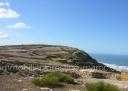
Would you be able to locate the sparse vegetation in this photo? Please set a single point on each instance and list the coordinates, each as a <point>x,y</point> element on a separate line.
<point>101,86</point>
<point>53,79</point>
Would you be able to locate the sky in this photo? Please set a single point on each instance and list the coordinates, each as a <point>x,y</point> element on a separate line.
<point>96,26</point>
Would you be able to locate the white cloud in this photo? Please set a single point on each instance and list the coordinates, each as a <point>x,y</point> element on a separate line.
<point>2,4</point>
<point>3,35</point>
<point>19,25</point>
<point>6,12</point>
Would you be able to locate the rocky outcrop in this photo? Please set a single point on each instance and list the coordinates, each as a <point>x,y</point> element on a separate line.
<point>49,54</point>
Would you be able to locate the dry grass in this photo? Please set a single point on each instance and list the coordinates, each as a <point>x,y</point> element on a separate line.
<point>124,76</point>
<point>18,83</point>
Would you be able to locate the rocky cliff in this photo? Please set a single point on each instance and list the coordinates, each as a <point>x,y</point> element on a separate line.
<point>49,54</point>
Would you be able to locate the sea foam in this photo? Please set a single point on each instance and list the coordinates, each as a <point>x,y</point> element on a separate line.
<point>117,67</point>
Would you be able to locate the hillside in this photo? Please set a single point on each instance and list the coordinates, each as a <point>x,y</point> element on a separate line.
<point>48,54</point>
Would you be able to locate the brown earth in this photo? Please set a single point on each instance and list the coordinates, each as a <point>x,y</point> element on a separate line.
<point>53,54</point>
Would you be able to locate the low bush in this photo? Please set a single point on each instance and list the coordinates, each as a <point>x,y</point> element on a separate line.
<point>100,86</point>
<point>53,79</point>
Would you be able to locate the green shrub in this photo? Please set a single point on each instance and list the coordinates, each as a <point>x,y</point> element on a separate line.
<point>1,71</point>
<point>46,81</point>
<point>53,79</point>
<point>100,86</point>
<point>63,77</point>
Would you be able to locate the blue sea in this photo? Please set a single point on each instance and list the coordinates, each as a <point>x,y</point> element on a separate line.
<point>114,61</point>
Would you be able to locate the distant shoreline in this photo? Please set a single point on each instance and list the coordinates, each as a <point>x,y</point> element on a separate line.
<point>118,62</point>
<point>117,67</point>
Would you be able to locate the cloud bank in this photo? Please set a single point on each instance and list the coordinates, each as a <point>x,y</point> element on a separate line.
<point>11,16</point>
<point>3,35</point>
<point>2,4</point>
<point>6,12</point>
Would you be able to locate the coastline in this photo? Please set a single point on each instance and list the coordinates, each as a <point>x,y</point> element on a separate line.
<point>117,67</point>
<point>115,61</point>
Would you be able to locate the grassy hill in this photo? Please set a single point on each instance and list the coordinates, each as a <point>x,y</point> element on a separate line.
<point>48,54</point>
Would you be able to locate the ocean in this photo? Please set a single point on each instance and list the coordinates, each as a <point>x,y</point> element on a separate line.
<point>119,62</point>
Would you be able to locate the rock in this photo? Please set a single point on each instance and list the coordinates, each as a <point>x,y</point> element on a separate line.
<point>45,89</point>
<point>25,89</point>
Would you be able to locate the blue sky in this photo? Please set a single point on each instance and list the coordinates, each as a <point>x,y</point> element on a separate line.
<point>97,26</point>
